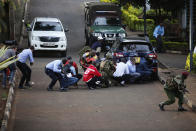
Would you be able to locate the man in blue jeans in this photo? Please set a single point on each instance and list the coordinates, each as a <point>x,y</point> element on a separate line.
<point>10,52</point>
<point>55,71</point>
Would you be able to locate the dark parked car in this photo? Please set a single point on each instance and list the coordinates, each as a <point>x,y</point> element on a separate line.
<point>138,48</point>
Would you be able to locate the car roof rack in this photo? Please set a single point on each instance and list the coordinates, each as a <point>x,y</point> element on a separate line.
<point>94,3</point>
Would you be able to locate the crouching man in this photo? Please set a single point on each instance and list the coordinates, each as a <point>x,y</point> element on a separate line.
<point>55,71</point>
<point>91,76</point>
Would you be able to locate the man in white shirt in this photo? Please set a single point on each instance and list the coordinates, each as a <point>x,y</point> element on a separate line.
<point>122,72</point>
<point>132,70</point>
<point>158,34</point>
<point>26,54</point>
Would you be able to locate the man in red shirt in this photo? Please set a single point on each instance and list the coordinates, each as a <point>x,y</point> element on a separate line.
<point>91,76</point>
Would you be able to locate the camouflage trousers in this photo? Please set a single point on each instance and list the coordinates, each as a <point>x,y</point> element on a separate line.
<point>108,79</point>
<point>171,96</point>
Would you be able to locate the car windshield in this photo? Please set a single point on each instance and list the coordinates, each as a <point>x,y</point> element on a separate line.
<point>47,26</point>
<point>134,47</point>
<point>104,20</point>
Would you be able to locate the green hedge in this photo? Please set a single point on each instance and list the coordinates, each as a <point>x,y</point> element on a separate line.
<point>134,23</point>
<point>175,46</point>
<point>187,66</point>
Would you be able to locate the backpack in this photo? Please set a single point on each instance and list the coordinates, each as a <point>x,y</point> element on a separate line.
<point>171,83</point>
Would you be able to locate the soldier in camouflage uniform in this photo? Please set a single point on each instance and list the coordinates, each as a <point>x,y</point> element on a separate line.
<point>107,68</point>
<point>175,87</point>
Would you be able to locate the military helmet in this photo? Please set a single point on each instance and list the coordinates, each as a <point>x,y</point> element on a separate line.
<point>108,56</point>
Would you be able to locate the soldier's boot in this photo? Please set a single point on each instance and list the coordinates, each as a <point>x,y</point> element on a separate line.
<point>180,108</point>
<point>161,106</point>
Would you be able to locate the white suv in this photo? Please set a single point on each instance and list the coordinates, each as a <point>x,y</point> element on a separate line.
<point>48,34</point>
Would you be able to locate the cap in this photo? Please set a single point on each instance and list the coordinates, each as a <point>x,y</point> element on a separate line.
<point>185,73</point>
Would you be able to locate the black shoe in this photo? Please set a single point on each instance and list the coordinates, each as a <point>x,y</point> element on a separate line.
<point>91,88</point>
<point>122,83</point>
<point>49,89</point>
<point>29,84</point>
<point>181,109</point>
<point>63,89</point>
<point>21,87</point>
<point>161,106</point>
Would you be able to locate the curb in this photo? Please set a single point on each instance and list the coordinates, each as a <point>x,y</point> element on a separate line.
<point>8,109</point>
<point>11,93</point>
<point>187,101</point>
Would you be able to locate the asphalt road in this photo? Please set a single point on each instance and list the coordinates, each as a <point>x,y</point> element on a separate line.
<point>133,107</point>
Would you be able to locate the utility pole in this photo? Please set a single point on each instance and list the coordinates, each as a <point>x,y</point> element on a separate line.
<point>191,34</point>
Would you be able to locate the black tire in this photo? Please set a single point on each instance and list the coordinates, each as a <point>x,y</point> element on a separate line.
<point>155,76</point>
<point>64,53</point>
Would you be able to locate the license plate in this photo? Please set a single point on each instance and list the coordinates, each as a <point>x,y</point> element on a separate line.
<point>137,59</point>
<point>110,39</point>
<point>49,44</point>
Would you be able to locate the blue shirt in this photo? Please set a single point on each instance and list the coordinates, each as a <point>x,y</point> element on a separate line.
<point>95,45</point>
<point>159,30</point>
<point>24,55</point>
<point>55,66</point>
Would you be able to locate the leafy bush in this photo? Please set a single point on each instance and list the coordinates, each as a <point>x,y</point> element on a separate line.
<point>187,66</point>
<point>110,1</point>
<point>175,46</point>
<point>4,64</point>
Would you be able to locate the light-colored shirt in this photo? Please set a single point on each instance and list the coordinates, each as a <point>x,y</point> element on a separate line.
<point>132,67</point>
<point>24,55</point>
<point>159,30</point>
<point>194,50</point>
<point>55,66</point>
<point>121,69</point>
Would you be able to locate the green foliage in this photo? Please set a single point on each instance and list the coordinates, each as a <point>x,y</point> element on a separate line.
<point>175,46</point>
<point>110,1</point>
<point>133,22</point>
<point>135,11</point>
<point>187,66</point>
<point>4,64</point>
<point>12,3</point>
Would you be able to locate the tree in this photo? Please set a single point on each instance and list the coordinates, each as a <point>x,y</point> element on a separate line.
<point>2,15</point>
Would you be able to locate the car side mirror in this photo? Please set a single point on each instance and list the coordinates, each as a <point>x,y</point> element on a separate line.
<point>66,29</point>
<point>29,28</point>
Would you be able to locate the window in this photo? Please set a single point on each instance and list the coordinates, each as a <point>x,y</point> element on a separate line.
<point>104,20</point>
<point>135,47</point>
<point>47,26</point>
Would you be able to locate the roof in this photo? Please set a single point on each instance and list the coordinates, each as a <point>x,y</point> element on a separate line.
<point>50,19</point>
<point>96,3</point>
<point>134,39</point>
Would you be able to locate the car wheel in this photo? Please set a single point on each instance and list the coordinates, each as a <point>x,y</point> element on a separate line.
<point>64,53</point>
<point>155,76</point>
